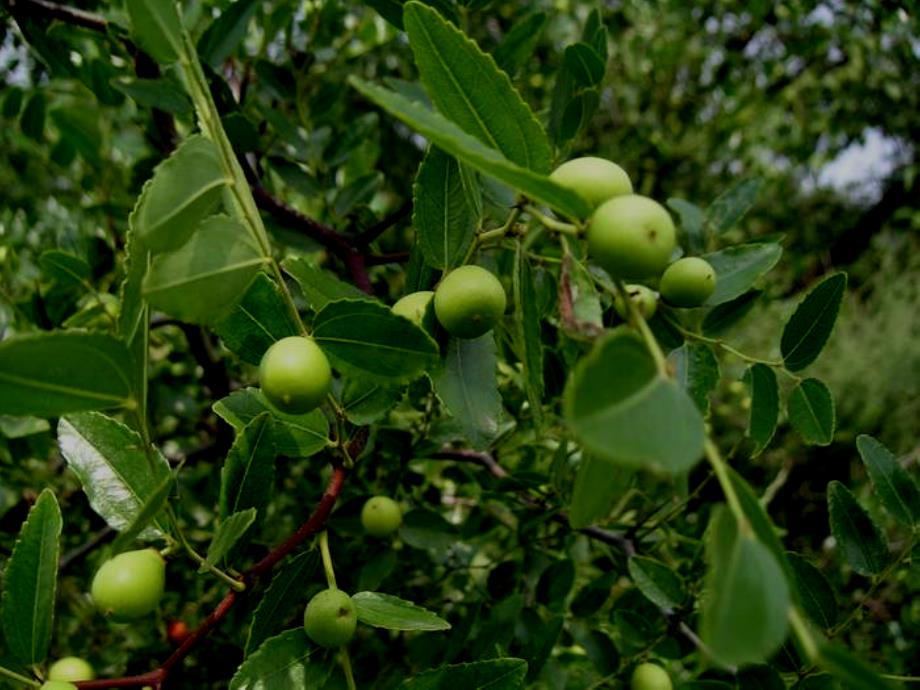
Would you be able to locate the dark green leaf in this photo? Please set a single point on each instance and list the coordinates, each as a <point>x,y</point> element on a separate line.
<point>319,287</point>
<point>738,268</point>
<point>811,412</point>
<point>860,540</point>
<point>895,487</point>
<point>594,595</point>
<point>725,212</point>
<point>585,65</point>
<point>285,591</point>
<point>814,591</point>
<point>65,268</point>
<point>496,674</point>
<point>393,613</point>
<point>528,331</point>
<point>760,677</point>
<point>284,662</point>
<point>696,370</point>
<point>722,317</point>
<point>163,94</point>
<point>79,126</point>
<point>519,43</point>
<point>658,582</point>
<point>230,531</point>
<point>149,512</point>
<point>849,670</point>
<point>30,582</point>
<point>32,121</point>
<point>226,32</point>
<point>764,392</point>
<point>597,485</point>
<point>249,471</point>
<point>424,529</point>
<point>365,402</point>
<point>555,583</point>
<point>809,327</point>
<point>392,10</point>
<point>157,28</point>
<point>691,223</point>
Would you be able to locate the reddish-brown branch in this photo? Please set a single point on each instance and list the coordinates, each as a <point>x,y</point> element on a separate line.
<point>377,229</point>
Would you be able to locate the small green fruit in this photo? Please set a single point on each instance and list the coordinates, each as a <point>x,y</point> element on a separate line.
<point>330,618</point>
<point>71,668</point>
<point>643,297</point>
<point>381,516</point>
<point>469,302</point>
<point>631,237</point>
<point>416,306</point>
<point>58,685</point>
<point>595,179</point>
<point>295,375</point>
<point>650,677</point>
<point>688,282</point>
<point>130,585</point>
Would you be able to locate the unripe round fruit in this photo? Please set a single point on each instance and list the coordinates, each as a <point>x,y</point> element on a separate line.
<point>644,298</point>
<point>688,282</point>
<point>330,618</point>
<point>58,685</point>
<point>631,237</point>
<point>650,677</point>
<point>295,375</point>
<point>130,585</point>
<point>595,179</point>
<point>381,516</point>
<point>71,668</point>
<point>469,301</point>
<point>415,307</point>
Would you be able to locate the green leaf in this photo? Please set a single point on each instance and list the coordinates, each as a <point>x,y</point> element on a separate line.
<point>319,287</point>
<point>118,477</point>
<point>495,674</point>
<point>393,613</point>
<point>811,412</point>
<point>466,85</point>
<point>30,582</point>
<point>454,141</point>
<point>364,402</point>
<point>164,94</point>
<point>597,484</point>
<point>65,268</point>
<point>520,42</point>
<point>294,436</point>
<point>285,591</point>
<point>760,677</point>
<point>284,662</point>
<point>467,384</point>
<point>696,371</point>
<point>658,582</point>
<point>861,541</point>
<point>809,327</point>
<point>248,475</point>
<point>203,280</point>
<point>21,427</point>
<point>851,671</point>
<point>134,316</point>
<point>364,338</point>
<point>622,409</point>
<point>392,10</point>
<point>261,318</point>
<point>764,392</point>
<point>691,223</point>
<point>149,512</point>
<point>896,489</point>
<point>738,268</point>
<point>425,529</point>
<point>555,583</point>
<point>528,334</point>
<point>184,189</point>
<point>814,591</point>
<point>729,208</point>
<point>444,212</point>
<point>32,120</point>
<point>724,316</point>
<point>79,126</point>
<point>585,65</point>
<point>157,28</point>
<point>50,374</point>
<point>228,534</point>
<point>225,33</point>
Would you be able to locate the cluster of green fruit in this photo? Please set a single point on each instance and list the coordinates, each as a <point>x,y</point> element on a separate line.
<point>633,237</point>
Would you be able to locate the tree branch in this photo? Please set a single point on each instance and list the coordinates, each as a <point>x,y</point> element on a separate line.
<point>377,229</point>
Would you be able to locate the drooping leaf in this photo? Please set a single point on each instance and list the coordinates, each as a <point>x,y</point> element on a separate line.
<point>284,662</point>
<point>285,591</point>
<point>496,674</point>
<point>259,319</point>
<point>64,267</point>
<point>466,148</point>
<point>30,582</point>
<point>444,209</point>
<point>622,409</point>
<point>691,224</point>
<point>117,475</point>
<point>739,268</point>
<point>809,327</point>
<point>764,392</point>
<point>729,208</point>
<point>157,28</point>
<point>228,534</point>
<point>468,386</point>
<point>555,583</point>
<point>163,94</point>
<point>811,412</point>
<point>659,583</point>
<point>895,487</point>
<point>724,316</point>
<point>50,374</point>
<point>744,583</point>
<point>696,371</point>
<point>861,541</point>
<point>814,591</point>
<point>527,331</point>
<point>319,287</point>
<point>466,86</point>
<point>365,338</point>
<point>149,512</point>
<point>595,490</point>
<point>519,43</point>
<point>249,471</point>
<point>386,611</point>
<point>204,279</point>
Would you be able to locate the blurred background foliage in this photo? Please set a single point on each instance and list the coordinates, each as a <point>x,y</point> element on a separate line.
<point>819,100</point>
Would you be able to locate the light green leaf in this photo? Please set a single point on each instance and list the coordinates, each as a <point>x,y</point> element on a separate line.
<point>814,591</point>
<point>466,85</point>
<point>895,487</point>
<point>496,674</point>
<point>811,412</point>
<point>739,268</point>
<point>157,28</point>
<point>859,538</point>
<point>621,409</point>
<point>30,582</point>
<point>286,662</point>
<point>228,534</point>
<point>809,327</point>
<point>393,613</point>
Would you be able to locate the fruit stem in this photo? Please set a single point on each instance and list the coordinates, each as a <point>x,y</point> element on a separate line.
<point>636,319</point>
<point>231,582</point>
<point>723,345</point>
<point>346,667</point>
<point>327,559</point>
<point>721,470</point>
<point>12,675</point>
<point>552,223</point>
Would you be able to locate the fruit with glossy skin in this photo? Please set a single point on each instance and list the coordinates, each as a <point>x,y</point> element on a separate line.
<point>330,618</point>
<point>71,668</point>
<point>58,685</point>
<point>650,677</point>
<point>130,585</point>
<point>416,307</point>
<point>688,282</point>
<point>644,298</point>
<point>631,237</point>
<point>381,516</point>
<point>295,375</point>
<point>595,179</point>
<point>469,301</point>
